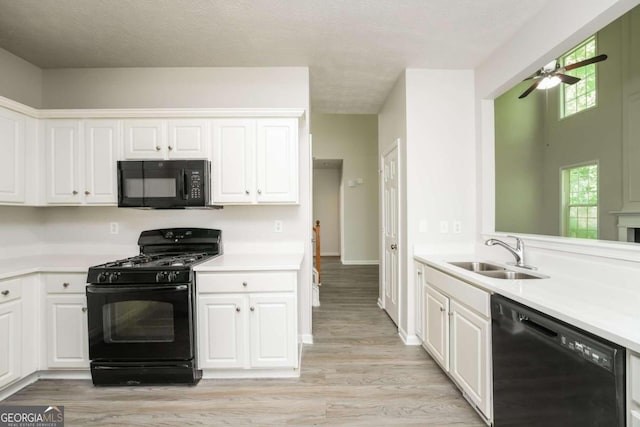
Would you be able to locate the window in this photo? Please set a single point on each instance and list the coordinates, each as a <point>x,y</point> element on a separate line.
<point>582,95</point>
<point>580,201</point>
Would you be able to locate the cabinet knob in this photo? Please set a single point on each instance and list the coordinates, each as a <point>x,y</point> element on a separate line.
<point>252,308</point>
<point>84,309</point>
<point>65,285</point>
<point>259,191</point>
<point>74,192</point>
<point>5,293</point>
<point>244,284</point>
<point>157,148</point>
<point>246,191</point>
<point>238,309</point>
<point>419,273</point>
<point>86,193</point>
<point>170,148</point>
<point>441,308</point>
<point>394,247</point>
<point>450,313</point>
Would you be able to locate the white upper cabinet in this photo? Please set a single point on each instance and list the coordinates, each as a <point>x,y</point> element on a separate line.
<point>233,171</point>
<point>188,138</point>
<point>162,139</point>
<point>101,153</point>
<point>277,160</point>
<point>145,139</point>
<point>62,156</point>
<point>255,161</point>
<point>81,161</point>
<point>12,157</point>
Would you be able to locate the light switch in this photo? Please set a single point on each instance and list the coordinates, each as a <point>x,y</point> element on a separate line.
<point>444,226</point>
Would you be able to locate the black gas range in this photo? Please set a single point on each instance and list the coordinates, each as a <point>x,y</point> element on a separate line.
<point>141,310</point>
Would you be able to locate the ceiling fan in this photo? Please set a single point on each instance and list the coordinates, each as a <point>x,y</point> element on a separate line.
<point>552,74</point>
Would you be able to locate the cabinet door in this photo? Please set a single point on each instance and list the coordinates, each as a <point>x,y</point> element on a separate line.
<point>62,153</point>
<point>12,157</point>
<point>277,161</point>
<point>145,139</point>
<point>102,140</point>
<point>10,341</point>
<point>273,331</point>
<point>470,354</point>
<point>222,331</point>
<point>436,326</point>
<point>188,139</point>
<point>419,298</point>
<point>233,161</point>
<point>67,335</point>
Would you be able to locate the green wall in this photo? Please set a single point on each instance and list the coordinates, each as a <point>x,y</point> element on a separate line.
<point>533,143</point>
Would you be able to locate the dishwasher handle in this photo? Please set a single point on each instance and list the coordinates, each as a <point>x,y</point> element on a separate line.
<point>538,327</point>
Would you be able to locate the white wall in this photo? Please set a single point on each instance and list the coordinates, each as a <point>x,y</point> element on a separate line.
<point>230,87</point>
<point>21,231</point>
<point>354,139</point>
<point>326,208</point>
<point>20,80</point>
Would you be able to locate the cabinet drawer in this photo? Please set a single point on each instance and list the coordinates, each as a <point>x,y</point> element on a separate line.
<point>246,282</point>
<point>65,283</point>
<point>10,289</point>
<point>465,293</point>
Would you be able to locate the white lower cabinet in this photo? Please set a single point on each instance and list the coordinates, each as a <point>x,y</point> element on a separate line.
<point>456,330</point>
<point>66,321</point>
<point>419,296</point>
<point>252,327</point>
<point>10,331</point>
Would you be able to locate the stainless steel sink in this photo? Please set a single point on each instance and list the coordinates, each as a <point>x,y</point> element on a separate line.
<point>478,266</point>
<point>507,274</point>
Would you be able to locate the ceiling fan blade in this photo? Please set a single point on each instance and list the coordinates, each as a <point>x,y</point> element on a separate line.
<point>567,79</point>
<point>531,89</point>
<point>585,62</point>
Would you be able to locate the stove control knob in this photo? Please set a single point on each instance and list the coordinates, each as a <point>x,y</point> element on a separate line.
<point>160,276</point>
<point>102,277</point>
<point>172,276</point>
<point>113,277</point>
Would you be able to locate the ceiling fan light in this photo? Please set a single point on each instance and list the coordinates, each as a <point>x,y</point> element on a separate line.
<point>549,82</point>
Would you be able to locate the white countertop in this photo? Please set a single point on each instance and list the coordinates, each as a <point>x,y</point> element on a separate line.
<point>609,311</point>
<point>80,263</point>
<point>247,262</point>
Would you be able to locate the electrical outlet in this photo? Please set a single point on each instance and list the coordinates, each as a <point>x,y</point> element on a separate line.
<point>114,228</point>
<point>277,226</point>
<point>444,226</point>
<point>457,227</point>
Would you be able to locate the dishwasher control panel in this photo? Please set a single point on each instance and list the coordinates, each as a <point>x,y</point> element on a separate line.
<point>588,352</point>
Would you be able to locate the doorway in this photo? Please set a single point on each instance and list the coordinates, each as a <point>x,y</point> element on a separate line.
<point>327,204</point>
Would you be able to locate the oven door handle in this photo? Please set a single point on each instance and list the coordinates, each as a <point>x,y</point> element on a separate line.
<point>93,289</point>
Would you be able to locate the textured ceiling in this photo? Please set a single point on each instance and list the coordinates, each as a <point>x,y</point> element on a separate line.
<point>355,49</point>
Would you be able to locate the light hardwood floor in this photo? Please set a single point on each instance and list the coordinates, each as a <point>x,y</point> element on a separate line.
<point>357,373</point>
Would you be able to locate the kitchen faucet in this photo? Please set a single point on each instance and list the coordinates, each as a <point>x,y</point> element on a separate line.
<point>517,252</point>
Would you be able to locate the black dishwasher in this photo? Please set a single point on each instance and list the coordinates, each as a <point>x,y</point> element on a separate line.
<point>549,373</point>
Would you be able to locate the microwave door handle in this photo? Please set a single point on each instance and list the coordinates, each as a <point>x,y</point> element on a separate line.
<point>92,289</point>
<point>183,175</point>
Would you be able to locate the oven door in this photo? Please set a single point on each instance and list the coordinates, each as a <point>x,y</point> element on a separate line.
<point>140,322</point>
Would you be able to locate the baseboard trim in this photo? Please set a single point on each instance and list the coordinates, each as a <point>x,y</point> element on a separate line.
<point>380,304</point>
<point>329,253</point>
<point>19,385</point>
<point>306,338</point>
<point>408,339</point>
<point>360,262</point>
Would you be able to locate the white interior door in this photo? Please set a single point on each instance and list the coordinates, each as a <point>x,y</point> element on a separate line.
<point>390,221</point>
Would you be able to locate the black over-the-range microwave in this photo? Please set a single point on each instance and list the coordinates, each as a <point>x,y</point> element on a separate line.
<point>164,184</point>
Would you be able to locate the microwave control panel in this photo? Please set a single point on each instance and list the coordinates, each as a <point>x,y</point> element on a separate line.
<point>194,185</point>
